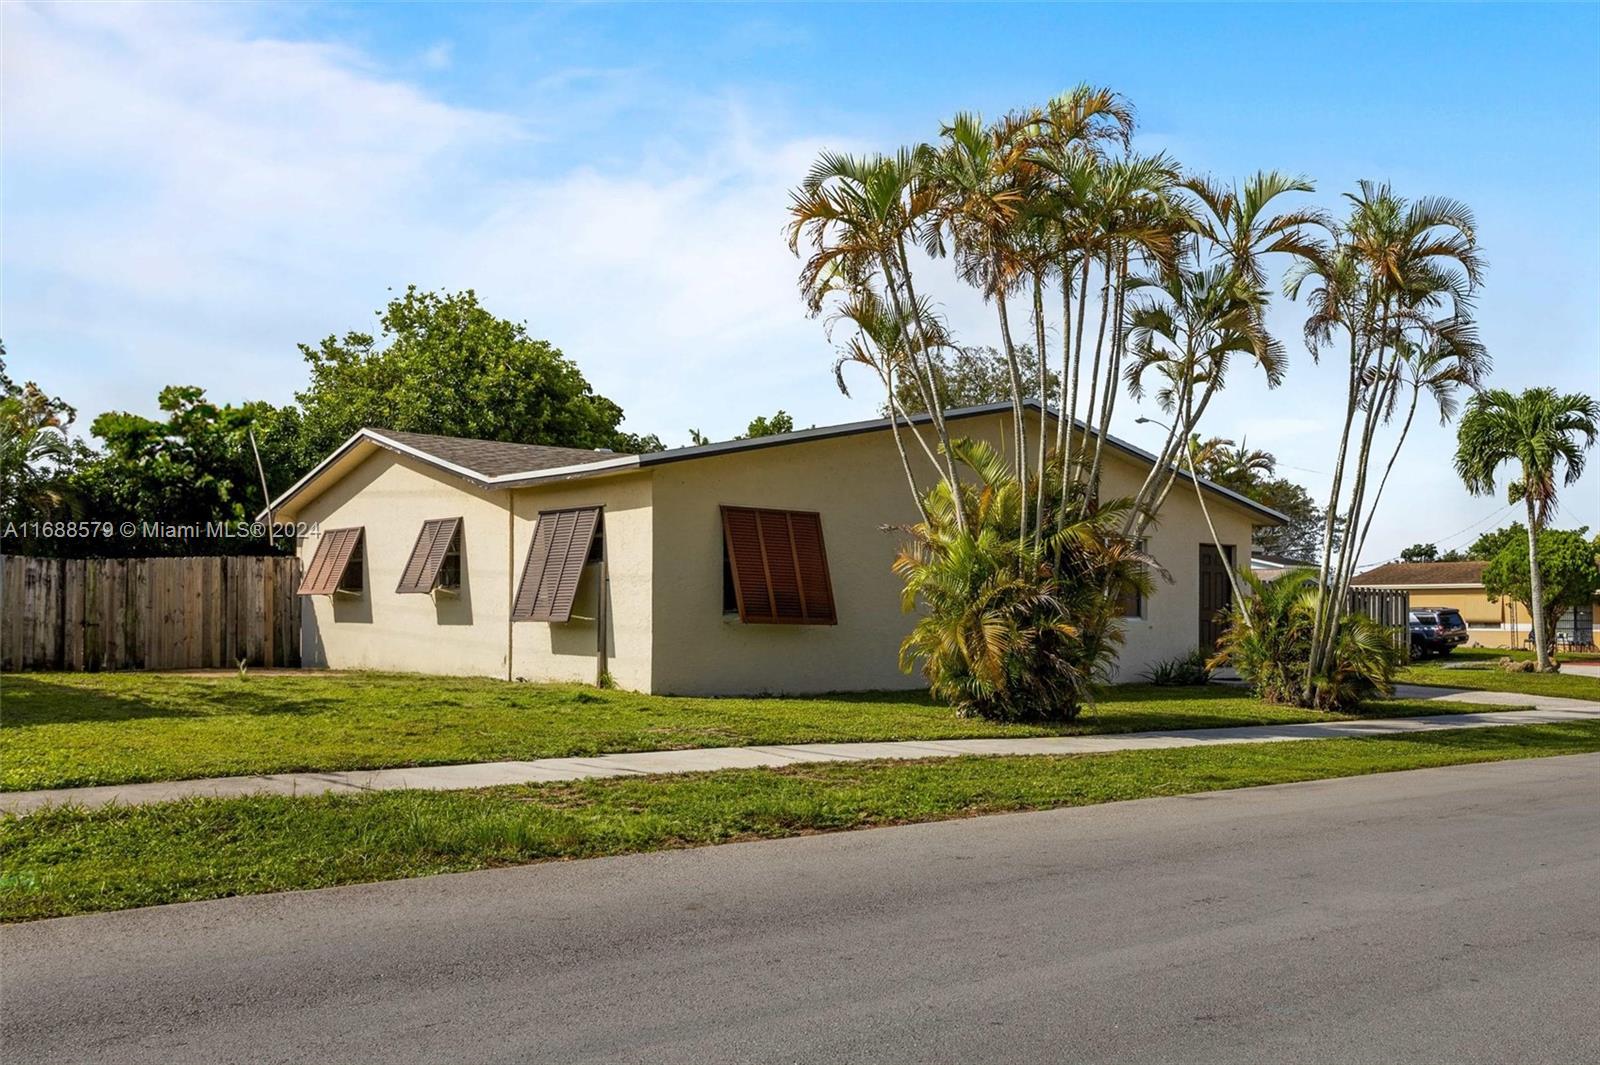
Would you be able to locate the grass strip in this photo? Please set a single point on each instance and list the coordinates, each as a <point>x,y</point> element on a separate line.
<point>1477,669</point>
<point>75,730</point>
<point>69,860</point>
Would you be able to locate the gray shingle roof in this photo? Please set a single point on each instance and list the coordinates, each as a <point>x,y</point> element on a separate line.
<point>494,458</point>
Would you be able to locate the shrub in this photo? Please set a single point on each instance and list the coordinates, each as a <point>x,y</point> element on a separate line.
<point>1269,642</point>
<point>1180,671</point>
<point>1013,630</point>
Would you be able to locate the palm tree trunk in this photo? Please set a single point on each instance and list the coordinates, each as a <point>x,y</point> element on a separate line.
<point>1352,402</point>
<point>935,410</point>
<point>1063,414</point>
<point>1071,413</point>
<point>1541,637</point>
<point>1108,401</point>
<point>1325,624</point>
<point>1039,345</point>
<point>1019,438</point>
<point>895,415</point>
<point>1094,371</point>
<point>1378,495</point>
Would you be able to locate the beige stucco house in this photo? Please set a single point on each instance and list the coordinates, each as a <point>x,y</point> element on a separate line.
<point>739,567</point>
<point>1498,621</point>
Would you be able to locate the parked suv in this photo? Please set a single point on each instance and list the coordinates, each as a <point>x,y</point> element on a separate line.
<point>1436,631</point>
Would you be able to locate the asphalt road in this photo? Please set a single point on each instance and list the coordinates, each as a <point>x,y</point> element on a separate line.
<point>1443,915</point>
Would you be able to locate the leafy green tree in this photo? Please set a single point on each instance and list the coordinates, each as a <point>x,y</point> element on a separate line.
<point>1420,553</point>
<point>1249,471</point>
<point>1545,433</point>
<point>1568,574</point>
<point>973,376</point>
<point>194,466</point>
<point>761,425</point>
<point>1300,537</point>
<point>1490,544</point>
<point>444,364</point>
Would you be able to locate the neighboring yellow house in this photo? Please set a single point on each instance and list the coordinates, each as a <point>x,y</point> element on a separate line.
<point>740,567</point>
<point>1501,622</point>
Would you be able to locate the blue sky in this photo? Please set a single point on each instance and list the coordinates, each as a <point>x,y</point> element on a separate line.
<point>189,191</point>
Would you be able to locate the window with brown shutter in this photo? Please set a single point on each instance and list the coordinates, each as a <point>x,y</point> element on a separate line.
<point>435,560</point>
<point>776,566</point>
<point>336,566</point>
<point>562,543</point>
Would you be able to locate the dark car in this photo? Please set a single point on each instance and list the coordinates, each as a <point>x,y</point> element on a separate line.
<point>1436,631</point>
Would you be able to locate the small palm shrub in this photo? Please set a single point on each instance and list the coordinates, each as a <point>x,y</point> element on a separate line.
<point>1013,629</point>
<point>1180,671</point>
<point>1269,642</point>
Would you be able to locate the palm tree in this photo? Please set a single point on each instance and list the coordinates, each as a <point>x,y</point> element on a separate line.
<point>857,214</point>
<point>1186,333</point>
<point>1395,276</point>
<point>1454,359</point>
<point>979,178</point>
<point>1540,430</point>
<point>1242,464</point>
<point>1009,630</point>
<point>881,342</point>
<point>1210,305</point>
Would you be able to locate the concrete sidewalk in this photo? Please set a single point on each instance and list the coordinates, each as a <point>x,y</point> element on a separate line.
<point>1546,710</point>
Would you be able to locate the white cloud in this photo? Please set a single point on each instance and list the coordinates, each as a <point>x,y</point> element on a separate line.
<point>232,195</point>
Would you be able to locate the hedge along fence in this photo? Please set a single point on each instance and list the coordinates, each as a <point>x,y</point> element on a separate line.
<point>148,613</point>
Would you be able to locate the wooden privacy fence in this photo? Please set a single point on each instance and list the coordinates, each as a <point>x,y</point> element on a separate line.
<point>148,613</point>
<point>1389,607</point>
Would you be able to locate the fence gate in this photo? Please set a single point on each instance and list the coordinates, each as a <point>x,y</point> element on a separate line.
<point>148,613</point>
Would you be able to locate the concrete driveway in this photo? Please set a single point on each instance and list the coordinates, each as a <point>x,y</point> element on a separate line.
<point>1440,915</point>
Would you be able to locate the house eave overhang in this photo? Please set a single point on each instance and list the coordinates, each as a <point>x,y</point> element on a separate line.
<point>375,439</point>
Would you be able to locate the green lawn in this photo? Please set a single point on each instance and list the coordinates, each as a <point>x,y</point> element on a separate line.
<point>70,730</point>
<point>1475,667</point>
<point>67,860</point>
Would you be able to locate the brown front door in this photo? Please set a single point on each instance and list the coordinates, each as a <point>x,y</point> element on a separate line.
<point>1215,595</point>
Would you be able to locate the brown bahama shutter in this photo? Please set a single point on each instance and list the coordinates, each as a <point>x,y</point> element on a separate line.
<point>561,543</point>
<point>779,566</point>
<point>332,557</point>
<point>427,556</point>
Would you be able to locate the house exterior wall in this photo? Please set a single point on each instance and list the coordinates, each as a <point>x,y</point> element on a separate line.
<point>391,496</point>
<point>1169,624</point>
<point>856,484</point>
<point>665,626</point>
<point>567,651</point>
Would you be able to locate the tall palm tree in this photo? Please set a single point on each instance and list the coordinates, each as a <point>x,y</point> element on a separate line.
<point>856,214</point>
<point>981,182</point>
<point>1215,300</point>
<point>1542,431</point>
<point>1186,332</point>
<point>1393,276</point>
